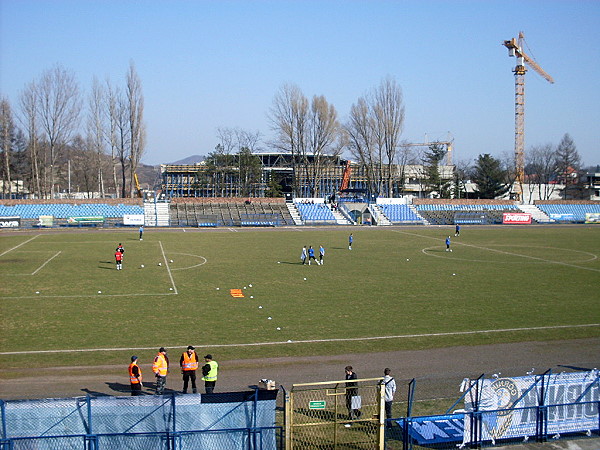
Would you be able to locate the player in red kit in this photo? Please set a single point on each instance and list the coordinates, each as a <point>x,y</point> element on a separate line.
<point>119,259</point>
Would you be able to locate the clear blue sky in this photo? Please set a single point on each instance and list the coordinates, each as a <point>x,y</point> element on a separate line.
<point>210,64</point>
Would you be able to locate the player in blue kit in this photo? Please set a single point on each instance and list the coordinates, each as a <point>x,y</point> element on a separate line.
<point>448,249</point>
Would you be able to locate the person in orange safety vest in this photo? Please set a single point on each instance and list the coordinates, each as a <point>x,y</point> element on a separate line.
<point>160,367</point>
<point>135,377</point>
<point>189,365</point>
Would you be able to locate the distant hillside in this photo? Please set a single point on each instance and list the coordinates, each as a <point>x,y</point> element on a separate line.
<point>190,160</point>
<point>149,176</point>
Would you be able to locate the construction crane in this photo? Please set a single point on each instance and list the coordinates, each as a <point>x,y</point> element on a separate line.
<point>448,144</point>
<point>137,186</point>
<point>515,48</point>
<point>346,177</point>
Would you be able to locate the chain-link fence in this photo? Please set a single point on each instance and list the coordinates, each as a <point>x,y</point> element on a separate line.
<point>336,414</point>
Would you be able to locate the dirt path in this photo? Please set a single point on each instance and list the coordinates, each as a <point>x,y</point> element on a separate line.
<point>438,371</point>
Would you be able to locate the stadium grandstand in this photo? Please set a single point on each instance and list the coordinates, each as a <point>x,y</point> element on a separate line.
<point>276,212</point>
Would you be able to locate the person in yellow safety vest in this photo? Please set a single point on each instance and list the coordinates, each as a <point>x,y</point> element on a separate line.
<point>135,377</point>
<point>210,370</point>
<point>189,365</point>
<point>160,367</point>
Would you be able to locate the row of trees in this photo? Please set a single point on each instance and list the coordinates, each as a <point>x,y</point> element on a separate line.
<point>56,134</point>
<point>372,136</point>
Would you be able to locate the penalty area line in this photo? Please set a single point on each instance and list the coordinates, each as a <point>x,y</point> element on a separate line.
<point>311,341</point>
<point>168,267</point>
<point>42,266</point>
<point>22,243</point>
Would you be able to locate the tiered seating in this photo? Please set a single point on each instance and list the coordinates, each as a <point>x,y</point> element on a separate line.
<point>399,213</point>
<point>451,213</point>
<point>209,214</point>
<point>65,210</point>
<point>569,212</point>
<point>315,213</point>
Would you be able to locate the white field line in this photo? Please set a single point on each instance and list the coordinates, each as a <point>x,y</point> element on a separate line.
<point>140,294</point>
<point>42,266</point>
<point>311,341</point>
<point>504,252</point>
<point>22,243</point>
<point>168,267</point>
<point>232,229</point>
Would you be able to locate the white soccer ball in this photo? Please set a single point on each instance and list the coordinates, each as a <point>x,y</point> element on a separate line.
<point>37,292</point>
<point>170,260</point>
<point>289,340</point>
<point>260,307</point>
<point>170,289</point>
<point>252,296</point>
<point>407,259</point>
<point>269,318</point>
<point>278,262</point>
<point>244,287</point>
<point>278,328</point>
<point>160,264</point>
<point>249,285</point>
<point>453,274</point>
<point>218,289</point>
<point>142,266</point>
<point>304,278</point>
<point>99,292</point>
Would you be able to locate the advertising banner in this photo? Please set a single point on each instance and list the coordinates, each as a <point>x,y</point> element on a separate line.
<point>133,219</point>
<point>562,217</point>
<point>508,409</point>
<point>592,218</point>
<point>85,220</point>
<point>512,404</point>
<point>10,222</point>
<point>516,218</point>
<point>45,221</point>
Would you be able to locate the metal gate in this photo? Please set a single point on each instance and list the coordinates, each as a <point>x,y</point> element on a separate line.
<point>336,415</point>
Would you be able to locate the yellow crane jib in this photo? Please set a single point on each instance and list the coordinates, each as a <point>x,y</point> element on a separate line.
<point>515,49</point>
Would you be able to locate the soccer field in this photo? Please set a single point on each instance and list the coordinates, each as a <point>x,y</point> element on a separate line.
<point>396,289</point>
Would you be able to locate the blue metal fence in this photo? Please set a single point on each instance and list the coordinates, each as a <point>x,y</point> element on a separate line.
<point>238,420</point>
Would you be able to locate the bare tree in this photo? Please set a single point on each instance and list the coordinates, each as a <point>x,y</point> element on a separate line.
<point>96,128</point>
<point>362,142</point>
<point>112,109</point>
<point>323,139</point>
<point>119,136</point>
<point>136,125</point>
<point>29,121</point>
<point>7,131</point>
<point>374,128</point>
<point>289,116</point>
<point>59,107</point>
<point>540,169</point>
<point>388,108</point>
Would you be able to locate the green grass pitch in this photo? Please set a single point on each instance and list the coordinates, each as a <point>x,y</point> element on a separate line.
<point>60,291</point>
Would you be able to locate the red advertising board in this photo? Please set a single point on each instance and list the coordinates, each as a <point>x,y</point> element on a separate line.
<point>516,218</point>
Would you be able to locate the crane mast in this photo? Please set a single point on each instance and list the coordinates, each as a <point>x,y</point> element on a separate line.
<point>515,48</point>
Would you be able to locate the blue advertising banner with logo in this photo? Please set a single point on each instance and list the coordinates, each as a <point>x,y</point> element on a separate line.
<point>508,407</point>
<point>562,217</point>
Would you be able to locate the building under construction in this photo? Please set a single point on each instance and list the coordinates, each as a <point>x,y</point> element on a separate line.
<point>313,176</point>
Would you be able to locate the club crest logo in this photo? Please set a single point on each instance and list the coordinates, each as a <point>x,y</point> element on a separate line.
<point>506,393</point>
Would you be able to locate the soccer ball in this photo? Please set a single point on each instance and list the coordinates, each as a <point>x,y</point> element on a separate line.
<point>142,266</point>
